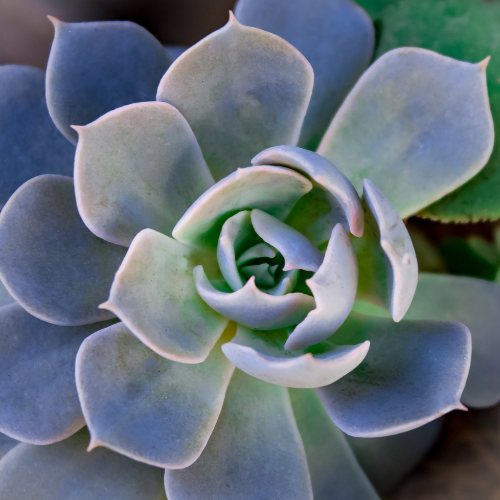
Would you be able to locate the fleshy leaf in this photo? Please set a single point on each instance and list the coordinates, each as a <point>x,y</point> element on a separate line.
<point>335,473</point>
<point>417,124</point>
<point>465,30</point>
<point>37,366</point>
<point>64,471</point>
<point>388,460</point>
<point>286,283</point>
<point>30,144</point>
<point>261,273</point>
<point>235,233</point>
<point>129,178</point>
<point>154,295</point>
<point>325,174</point>
<point>334,288</point>
<point>248,90</point>
<point>262,355</point>
<point>49,261</point>
<point>96,67</point>
<point>147,407</point>
<point>414,372</point>
<point>336,37</point>
<point>388,267</point>
<point>253,308</point>
<point>474,303</point>
<point>297,250</point>
<point>272,189</point>
<point>256,252</point>
<point>255,450</point>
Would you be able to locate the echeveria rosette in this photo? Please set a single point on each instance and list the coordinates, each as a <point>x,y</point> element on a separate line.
<point>183,162</point>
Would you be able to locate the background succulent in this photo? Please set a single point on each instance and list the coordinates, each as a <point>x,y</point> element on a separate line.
<point>139,167</point>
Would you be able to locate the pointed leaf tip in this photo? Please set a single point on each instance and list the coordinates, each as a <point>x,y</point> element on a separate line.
<point>483,64</point>
<point>56,22</point>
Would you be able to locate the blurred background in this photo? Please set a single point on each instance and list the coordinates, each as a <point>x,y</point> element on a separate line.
<point>26,33</point>
<point>465,463</point>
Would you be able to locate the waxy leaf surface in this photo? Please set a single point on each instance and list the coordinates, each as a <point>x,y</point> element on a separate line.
<point>154,294</point>
<point>255,450</point>
<point>241,90</point>
<point>96,67</point>
<point>146,407</point>
<point>49,261</point>
<point>137,167</point>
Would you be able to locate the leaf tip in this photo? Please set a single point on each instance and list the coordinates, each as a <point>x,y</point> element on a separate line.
<point>106,305</point>
<point>94,443</point>
<point>483,64</point>
<point>56,22</point>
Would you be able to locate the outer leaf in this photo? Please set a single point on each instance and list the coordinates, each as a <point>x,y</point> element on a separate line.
<point>334,288</point>
<point>49,261</point>
<point>327,176</point>
<point>474,303</point>
<point>37,365</point>
<point>388,460</point>
<point>137,167</point>
<point>263,355</point>
<point>414,372</point>
<point>247,90</point>
<point>255,450</point>
<point>253,308</point>
<point>388,267</point>
<point>147,407</point>
<point>336,37</point>
<point>154,295</point>
<point>335,473</point>
<point>65,471</point>
<point>465,30</point>
<point>417,124</point>
<point>96,67</point>
<point>275,190</point>
<point>30,145</point>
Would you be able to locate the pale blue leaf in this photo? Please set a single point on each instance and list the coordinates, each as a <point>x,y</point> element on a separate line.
<point>336,37</point>
<point>335,473</point>
<point>275,190</point>
<point>49,261</point>
<point>263,355</point>
<point>255,451</point>
<point>241,90</point>
<point>129,178</point>
<point>30,144</point>
<point>146,407</point>
<point>154,294</point>
<point>66,471</point>
<point>417,124</point>
<point>474,303</point>
<point>99,66</point>
<point>414,372</point>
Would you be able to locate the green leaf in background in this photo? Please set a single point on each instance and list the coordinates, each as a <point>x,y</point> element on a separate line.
<point>467,30</point>
<point>375,7</point>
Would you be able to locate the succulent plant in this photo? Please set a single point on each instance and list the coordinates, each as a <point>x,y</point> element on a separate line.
<point>261,350</point>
